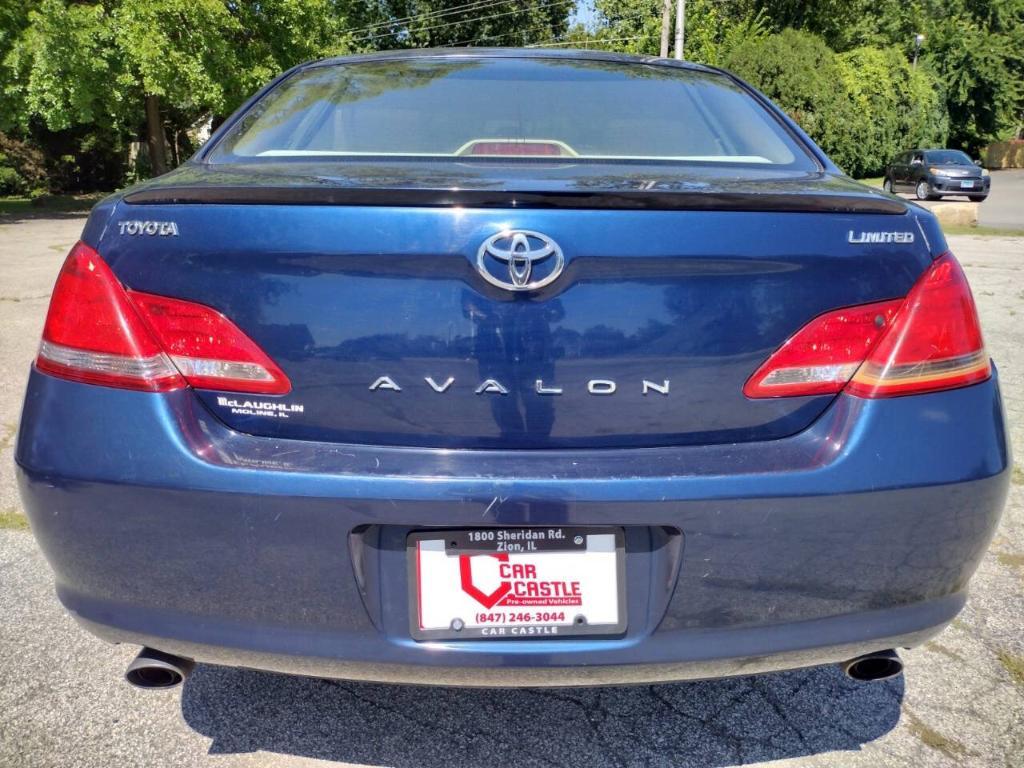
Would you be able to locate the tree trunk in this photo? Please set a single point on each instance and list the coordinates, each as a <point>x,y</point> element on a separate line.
<point>666,24</point>
<point>155,135</point>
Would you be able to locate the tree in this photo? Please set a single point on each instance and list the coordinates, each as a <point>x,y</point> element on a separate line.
<point>976,47</point>
<point>713,27</point>
<point>120,63</point>
<point>896,107</point>
<point>434,23</point>
<point>800,73</point>
<point>112,66</point>
<point>978,51</point>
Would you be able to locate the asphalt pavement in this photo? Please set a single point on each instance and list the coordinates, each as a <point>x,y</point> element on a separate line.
<point>1004,208</point>
<point>63,701</point>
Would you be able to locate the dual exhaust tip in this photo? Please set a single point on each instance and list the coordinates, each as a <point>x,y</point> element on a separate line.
<point>154,669</point>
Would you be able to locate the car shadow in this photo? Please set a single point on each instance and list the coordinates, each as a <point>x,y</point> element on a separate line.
<point>714,723</point>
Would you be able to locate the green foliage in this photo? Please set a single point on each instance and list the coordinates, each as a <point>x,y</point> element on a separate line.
<point>176,49</point>
<point>799,72</point>
<point>863,106</point>
<point>78,74</point>
<point>75,74</point>
<point>967,90</point>
<point>61,73</point>
<point>11,182</point>
<point>26,162</point>
<point>713,27</point>
<point>895,107</point>
<point>975,47</point>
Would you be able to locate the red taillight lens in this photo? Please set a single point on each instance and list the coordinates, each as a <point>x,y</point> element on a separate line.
<point>209,350</point>
<point>935,342</point>
<point>94,334</point>
<point>516,148</point>
<point>822,356</point>
<point>99,333</point>
<point>928,341</point>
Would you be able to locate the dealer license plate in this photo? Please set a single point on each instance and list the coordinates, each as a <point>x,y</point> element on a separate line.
<point>514,583</point>
<point>966,185</point>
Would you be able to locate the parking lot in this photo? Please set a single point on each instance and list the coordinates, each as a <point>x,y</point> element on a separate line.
<point>63,701</point>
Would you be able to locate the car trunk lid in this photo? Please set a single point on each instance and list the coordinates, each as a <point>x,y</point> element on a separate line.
<point>381,318</point>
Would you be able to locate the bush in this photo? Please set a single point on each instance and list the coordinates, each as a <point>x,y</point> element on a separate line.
<point>21,166</point>
<point>862,107</point>
<point>11,182</point>
<point>800,74</point>
<point>897,107</point>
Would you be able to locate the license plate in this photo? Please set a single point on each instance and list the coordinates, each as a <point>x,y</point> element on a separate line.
<point>515,583</point>
<point>966,185</point>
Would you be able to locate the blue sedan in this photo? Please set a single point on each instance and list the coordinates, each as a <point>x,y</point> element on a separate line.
<point>501,367</point>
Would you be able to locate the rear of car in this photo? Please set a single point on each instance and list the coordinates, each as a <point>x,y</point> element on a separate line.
<point>512,368</point>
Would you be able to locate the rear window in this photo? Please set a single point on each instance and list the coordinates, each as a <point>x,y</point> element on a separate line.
<point>513,109</point>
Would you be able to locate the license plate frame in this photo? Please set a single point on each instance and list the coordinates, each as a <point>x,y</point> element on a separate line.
<point>467,542</point>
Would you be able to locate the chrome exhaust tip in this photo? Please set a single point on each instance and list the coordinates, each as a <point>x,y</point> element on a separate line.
<point>870,667</point>
<point>156,669</point>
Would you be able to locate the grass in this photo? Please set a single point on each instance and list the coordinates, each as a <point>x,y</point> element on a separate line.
<point>10,520</point>
<point>947,745</point>
<point>959,229</point>
<point>874,181</point>
<point>1011,559</point>
<point>20,206</point>
<point>1014,665</point>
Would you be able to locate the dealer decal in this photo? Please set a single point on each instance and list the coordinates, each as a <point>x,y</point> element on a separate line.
<point>268,408</point>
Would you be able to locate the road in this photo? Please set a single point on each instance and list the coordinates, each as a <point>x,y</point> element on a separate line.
<point>1004,208</point>
<point>63,701</point>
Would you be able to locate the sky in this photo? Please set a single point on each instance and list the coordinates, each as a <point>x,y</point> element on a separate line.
<point>583,13</point>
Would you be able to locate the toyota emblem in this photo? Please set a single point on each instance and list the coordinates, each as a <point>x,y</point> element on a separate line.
<point>520,260</point>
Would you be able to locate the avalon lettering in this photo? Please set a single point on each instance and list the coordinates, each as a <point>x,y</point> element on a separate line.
<point>601,387</point>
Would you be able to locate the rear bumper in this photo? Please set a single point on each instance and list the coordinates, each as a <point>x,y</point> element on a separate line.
<point>165,528</point>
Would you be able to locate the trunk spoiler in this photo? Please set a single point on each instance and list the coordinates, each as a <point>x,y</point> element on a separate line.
<point>633,199</point>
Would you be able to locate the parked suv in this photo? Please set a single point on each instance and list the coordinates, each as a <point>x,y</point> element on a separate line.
<point>932,173</point>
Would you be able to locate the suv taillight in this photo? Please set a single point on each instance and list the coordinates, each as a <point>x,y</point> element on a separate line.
<point>930,340</point>
<point>99,333</point>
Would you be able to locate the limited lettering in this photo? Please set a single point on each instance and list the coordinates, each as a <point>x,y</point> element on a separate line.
<point>880,237</point>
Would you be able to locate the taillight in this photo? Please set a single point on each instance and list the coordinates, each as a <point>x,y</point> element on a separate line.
<point>210,351</point>
<point>935,342</point>
<point>822,356</point>
<point>930,340</point>
<point>94,334</point>
<point>99,333</point>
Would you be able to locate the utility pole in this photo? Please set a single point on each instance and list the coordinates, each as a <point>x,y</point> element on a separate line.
<point>918,39</point>
<point>666,27</point>
<point>680,27</point>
